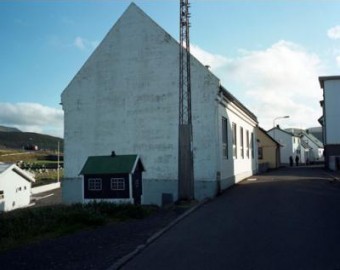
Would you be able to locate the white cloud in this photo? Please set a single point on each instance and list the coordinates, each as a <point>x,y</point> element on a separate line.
<point>79,42</point>
<point>84,44</point>
<point>280,80</point>
<point>334,32</point>
<point>338,60</point>
<point>32,117</point>
<point>215,61</point>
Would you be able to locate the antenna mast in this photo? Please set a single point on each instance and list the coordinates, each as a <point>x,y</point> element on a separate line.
<point>185,144</point>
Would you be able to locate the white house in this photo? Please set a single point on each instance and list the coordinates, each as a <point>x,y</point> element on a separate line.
<point>290,145</point>
<point>314,148</point>
<point>330,120</point>
<point>15,187</point>
<point>125,98</point>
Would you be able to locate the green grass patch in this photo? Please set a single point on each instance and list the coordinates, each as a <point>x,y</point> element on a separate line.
<point>27,225</point>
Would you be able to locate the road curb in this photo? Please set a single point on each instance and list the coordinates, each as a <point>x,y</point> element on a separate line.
<point>334,178</point>
<point>122,261</point>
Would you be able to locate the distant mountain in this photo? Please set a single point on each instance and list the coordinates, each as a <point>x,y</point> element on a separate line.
<point>8,129</point>
<point>21,140</point>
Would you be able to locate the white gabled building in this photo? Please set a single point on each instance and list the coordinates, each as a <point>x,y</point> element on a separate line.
<point>290,145</point>
<point>15,187</point>
<point>125,98</point>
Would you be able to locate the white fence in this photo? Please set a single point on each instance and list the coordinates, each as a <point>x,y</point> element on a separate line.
<point>44,188</point>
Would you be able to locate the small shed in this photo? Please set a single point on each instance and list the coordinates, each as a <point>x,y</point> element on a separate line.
<point>15,187</point>
<point>115,178</point>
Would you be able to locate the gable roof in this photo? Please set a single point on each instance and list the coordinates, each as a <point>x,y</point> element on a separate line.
<point>7,166</point>
<point>301,132</point>
<point>111,164</point>
<point>313,139</point>
<point>134,11</point>
<point>284,131</point>
<point>233,99</point>
<point>133,15</point>
<point>268,136</point>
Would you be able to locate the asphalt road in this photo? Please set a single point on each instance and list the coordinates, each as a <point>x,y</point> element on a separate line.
<point>286,219</point>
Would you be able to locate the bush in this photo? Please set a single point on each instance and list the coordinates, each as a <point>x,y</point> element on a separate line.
<point>30,224</point>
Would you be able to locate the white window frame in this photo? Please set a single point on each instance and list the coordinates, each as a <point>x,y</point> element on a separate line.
<point>117,184</point>
<point>95,184</point>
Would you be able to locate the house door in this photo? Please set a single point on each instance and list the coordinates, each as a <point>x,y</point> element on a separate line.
<point>137,189</point>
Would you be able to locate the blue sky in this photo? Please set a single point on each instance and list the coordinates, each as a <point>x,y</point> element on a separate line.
<point>269,54</point>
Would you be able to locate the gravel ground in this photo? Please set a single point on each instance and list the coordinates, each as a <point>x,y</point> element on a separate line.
<point>93,249</point>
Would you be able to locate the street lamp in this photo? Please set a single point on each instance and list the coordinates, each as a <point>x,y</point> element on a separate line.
<point>276,118</point>
<point>280,117</point>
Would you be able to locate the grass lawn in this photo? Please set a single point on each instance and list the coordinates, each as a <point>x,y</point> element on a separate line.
<point>27,225</point>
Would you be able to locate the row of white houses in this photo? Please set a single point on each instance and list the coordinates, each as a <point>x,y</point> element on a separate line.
<point>297,143</point>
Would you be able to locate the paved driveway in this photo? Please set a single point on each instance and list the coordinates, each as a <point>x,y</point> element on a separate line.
<point>286,219</point>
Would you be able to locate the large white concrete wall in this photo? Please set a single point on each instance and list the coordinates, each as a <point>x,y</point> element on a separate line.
<point>17,191</point>
<point>125,98</point>
<point>332,111</point>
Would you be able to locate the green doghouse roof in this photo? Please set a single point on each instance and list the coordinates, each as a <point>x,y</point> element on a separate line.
<point>111,164</point>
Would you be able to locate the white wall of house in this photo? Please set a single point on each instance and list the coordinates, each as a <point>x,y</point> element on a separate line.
<point>236,168</point>
<point>330,120</point>
<point>290,145</point>
<point>16,190</point>
<point>125,98</point>
<point>332,111</point>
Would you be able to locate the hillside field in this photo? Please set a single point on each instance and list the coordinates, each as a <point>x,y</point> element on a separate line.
<point>43,164</point>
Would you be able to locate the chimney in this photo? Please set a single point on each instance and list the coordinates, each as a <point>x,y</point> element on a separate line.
<point>278,126</point>
<point>113,154</point>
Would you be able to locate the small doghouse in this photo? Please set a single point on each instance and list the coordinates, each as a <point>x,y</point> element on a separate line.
<point>115,178</point>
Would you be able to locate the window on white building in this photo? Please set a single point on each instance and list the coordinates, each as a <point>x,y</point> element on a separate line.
<point>117,184</point>
<point>242,142</point>
<point>95,184</point>
<point>252,145</point>
<point>247,143</point>
<point>225,137</point>
<point>1,194</point>
<point>234,140</point>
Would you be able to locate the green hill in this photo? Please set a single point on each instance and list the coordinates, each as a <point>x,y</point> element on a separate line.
<point>8,129</point>
<point>20,140</point>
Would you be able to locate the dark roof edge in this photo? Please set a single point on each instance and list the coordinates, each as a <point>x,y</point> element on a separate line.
<point>232,98</point>
<point>287,132</point>
<point>322,79</point>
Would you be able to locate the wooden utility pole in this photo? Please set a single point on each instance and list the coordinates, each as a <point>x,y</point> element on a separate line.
<point>185,142</point>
